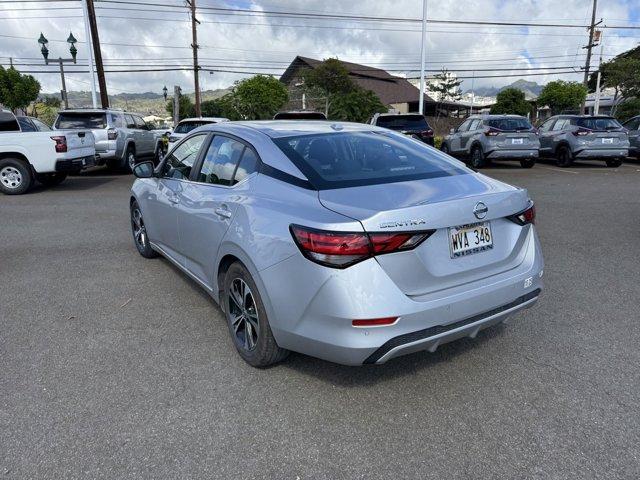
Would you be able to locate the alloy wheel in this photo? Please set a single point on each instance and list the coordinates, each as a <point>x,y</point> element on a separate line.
<point>139,230</point>
<point>11,177</point>
<point>243,314</point>
<point>131,158</point>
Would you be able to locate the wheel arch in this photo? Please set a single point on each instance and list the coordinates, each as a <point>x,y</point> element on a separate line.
<point>15,156</point>
<point>562,143</point>
<point>475,144</point>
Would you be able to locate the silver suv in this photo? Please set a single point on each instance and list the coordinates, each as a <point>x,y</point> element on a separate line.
<point>481,138</point>
<point>633,126</point>
<point>570,137</point>
<point>121,138</point>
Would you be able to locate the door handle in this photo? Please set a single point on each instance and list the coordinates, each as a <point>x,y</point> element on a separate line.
<point>174,199</point>
<point>223,212</point>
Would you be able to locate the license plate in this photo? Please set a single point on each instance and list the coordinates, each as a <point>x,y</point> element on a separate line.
<point>607,140</point>
<point>517,141</point>
<point>469,239</point>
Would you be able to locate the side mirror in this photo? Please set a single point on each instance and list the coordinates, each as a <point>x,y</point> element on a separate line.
<point>144,170</point>
<point>452,131</point>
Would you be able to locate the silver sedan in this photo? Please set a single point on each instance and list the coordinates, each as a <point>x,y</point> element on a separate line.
<point>343,241</point>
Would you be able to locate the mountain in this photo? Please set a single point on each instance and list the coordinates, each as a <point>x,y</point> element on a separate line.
<point>531,89</point>
<point>147,103</point>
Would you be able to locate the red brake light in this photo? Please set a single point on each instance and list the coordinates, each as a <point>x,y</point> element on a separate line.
<point>374,322</point>
<point>112,134</point>
<point>343,249</point>
<point>526,216</point>
<point>492,132</point>
<point>61,143</point>
<point>581,132</point>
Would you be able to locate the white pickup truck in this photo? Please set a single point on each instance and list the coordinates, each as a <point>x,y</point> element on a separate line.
<point>47,156</point>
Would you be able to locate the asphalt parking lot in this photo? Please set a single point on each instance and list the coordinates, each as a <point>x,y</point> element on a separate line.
<point>113,366</point>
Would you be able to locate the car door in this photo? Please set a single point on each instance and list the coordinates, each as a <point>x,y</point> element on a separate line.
<point>545,135</point>
<point>207,205</point>
<point>146,137</point>
<point>556,133</point>
<point>162,212</point>
<point>133,134</point>
<point>465,137</point>
<point>455,144</point>
<point>633,126</point>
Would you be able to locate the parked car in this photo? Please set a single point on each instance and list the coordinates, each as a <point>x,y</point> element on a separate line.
<point>347,242</point>
<point>32,124</point>
<point>633,128</point>
<point>188,124</point>
<point>300,115</point>
<point>122,138</point>
<point>411,124</point>
<point>571,137</point>
<point>27,155</point>
<point>493,137</point>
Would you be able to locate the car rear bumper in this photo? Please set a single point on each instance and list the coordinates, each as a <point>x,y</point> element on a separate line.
<point>513,154</point>
<point>602,153</point>
<point>103,156</point>
<point>311,308</point>
<point>74,164</point>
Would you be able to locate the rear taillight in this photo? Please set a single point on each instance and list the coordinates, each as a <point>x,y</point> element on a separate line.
<point>343,249</point>
<point>61,143</point>
<point>525,217</point>
<point>581,132</point>
<point>426,133</point>
<point>374,322</point>
<point>112,134</point>
<point>492,132</point>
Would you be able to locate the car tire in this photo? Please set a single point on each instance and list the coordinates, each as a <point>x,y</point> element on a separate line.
<point>16,176</point>
<point>477,159</point>
<point>129,159</point>
<point>139,231</point>
<point>564,157</point>
<point>614,162</point>
<point>444,148</point>
<point>247,319</point>
<point>527,162</point>
<point>51,179</point>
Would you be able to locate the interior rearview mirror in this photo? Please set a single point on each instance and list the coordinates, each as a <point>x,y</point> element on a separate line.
<point>144,170</point>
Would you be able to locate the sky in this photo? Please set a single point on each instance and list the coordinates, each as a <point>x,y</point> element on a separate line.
<point>146,35</point>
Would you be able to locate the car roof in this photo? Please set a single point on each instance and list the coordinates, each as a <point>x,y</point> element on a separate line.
<point>204,119</point>
<point>410,114</point>
<point>490,116</point>
<point>97,110</point>
<point>292,128</point>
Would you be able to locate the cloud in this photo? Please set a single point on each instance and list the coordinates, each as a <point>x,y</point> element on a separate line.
<point>266,44</point>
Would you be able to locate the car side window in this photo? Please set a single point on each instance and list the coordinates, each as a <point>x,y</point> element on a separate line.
<point>130,121</point>
<point>248,165</point>
<point>632,124</point>
<point>140,123</point>
<point>475,125</point>
<point>561,124</point>
<point>464,127</point>
<point>221,160</point>
<point>41,126</point>
<point>181,160</point>
<point>26,125</point>
<point>546,126</point>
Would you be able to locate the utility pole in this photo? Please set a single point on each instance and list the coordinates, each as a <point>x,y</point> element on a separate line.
<point>87,32</point>
<point>93,24</point>
<point>194,46</point>
<point>587,63</point>
<point>596,105</point>
<point>176,105</point>
<point>423,51</point>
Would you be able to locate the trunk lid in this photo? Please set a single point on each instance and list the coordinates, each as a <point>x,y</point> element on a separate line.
<point>605,139</point>
<point>522,140</point>
<point>437,204</point>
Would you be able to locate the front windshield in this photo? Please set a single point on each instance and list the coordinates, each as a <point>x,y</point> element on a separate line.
<point>347,159</point>
<point>186,127</point>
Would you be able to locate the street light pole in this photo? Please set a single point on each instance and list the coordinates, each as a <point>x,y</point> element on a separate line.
<point>61,61</point>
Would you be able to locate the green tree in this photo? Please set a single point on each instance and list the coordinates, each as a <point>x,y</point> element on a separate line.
<point>446,86</point>
<point>627,109</point>
<point>560,96</point>
<point>186,107</point>
<point>511,101</point>
<point>357,105</point>
<point>17,90</point>
<point>257,98</point>
<point>622,74</point>
<point>331,77</point>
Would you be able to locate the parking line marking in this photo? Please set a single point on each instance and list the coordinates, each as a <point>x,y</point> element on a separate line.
<point>557,169</point>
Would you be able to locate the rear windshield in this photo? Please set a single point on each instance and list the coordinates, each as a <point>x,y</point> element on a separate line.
<point>8,122</point>
<point>598,123</point>
<point>509,124</point>
<point>69,120</point>
<point>403,122</point>
<point>186,127</point>
<point>350,159</point>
